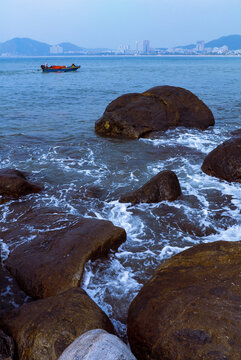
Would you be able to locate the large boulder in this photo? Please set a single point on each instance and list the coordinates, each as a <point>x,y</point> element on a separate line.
<point>160,108</point>
<point>224,162</point>
<point>163,186</point>
<point>11,295</point>
<point>13,183</point>
<point>54,261</point>
<point>6,347</point>
<point>190,308</point>
<point>44,328</point>
<point>95,345</point>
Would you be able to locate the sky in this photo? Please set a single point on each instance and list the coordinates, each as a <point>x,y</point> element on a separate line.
<point>111,23</point>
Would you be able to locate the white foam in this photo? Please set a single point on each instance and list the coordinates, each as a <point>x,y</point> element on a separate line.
<point>4,250</point>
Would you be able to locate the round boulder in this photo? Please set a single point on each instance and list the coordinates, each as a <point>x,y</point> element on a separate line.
<point>157,109</point>
<point>190,308</point>
<point>224,162</point>
<point>13,183</point>
<point>163,186</point>
<point>54,261</point>
<point>43,329</point>
<point>95,345</point>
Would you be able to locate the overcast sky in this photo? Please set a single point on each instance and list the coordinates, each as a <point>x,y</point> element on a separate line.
<point>110,23</point>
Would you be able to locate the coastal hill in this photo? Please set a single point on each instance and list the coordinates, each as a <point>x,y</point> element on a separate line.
<point>29,47</point>
<point>233,42</point>
<point>24,47</point>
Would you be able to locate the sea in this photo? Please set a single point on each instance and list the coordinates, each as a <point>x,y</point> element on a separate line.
<point>47,130</point>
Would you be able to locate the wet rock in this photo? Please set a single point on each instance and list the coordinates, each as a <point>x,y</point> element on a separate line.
<point>158,109</point>
<point>236,133</point>
<point>163,186</point>
<point>97,344</point>
<point>44,328</point>
<point>13,183</point>
<point>11,296</point>
<point>6,347</point>
<point>54,261</point>
<point>224,162</point>
<point>190,308</point>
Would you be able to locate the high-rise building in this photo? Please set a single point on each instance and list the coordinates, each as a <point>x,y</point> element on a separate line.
<point>200,45</point>
<point>146,46</point>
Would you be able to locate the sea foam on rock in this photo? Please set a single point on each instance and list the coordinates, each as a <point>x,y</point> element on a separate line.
<point>44,328</point>
<point>13,183</point>
<point>54,261</point>
<point>190,308</point>
<point>224,162</point>
<point>11,296</point>
<point>95,345</point>
<point>164,186</point>
<point>157,109</point>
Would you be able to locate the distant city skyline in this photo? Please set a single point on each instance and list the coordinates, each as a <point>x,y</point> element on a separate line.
<point>108,23</point>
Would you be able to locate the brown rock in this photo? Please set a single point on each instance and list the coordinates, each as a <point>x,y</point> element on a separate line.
<point>54,261</point>
<point>190,309</point>
<point>13,183</point>
<point>6,347</point>
<point>163,186</point>
<point>11,296</point>
<point>160,108</point>
<point>44,328</point>
<point>224,162</point>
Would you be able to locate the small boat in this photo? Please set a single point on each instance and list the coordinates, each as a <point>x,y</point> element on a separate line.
<point>55,68</point>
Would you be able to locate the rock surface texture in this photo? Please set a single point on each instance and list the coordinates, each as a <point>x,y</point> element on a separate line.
<point>163,186</point>
<point>158,109</point>
<point>10,293</point>
<point>54,261</point>
<point>190,308</point>
<point>224,162</point>
<point>43,329</point>
<point>97,345</point>
<point>6,347</point>
<point>13,183</point>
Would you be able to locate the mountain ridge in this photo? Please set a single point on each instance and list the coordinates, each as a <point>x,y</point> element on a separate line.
<point>29,47</point>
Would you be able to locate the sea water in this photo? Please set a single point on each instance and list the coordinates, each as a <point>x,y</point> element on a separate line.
<point>47,129</point>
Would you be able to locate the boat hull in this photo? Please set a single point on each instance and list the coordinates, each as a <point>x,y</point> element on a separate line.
<point>67,69</point>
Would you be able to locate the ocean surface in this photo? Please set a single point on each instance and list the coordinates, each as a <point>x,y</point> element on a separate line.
<point>47,129</point>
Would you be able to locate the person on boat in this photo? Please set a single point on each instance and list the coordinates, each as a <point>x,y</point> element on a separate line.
<point>73,65</point>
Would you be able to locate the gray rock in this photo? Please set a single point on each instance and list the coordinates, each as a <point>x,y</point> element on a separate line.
<point>95,345</point>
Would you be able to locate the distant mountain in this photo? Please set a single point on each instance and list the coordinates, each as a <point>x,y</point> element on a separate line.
<point>24,47</point>
<point>233,42</point>
<point>68,47</point>
<point>29,47</point>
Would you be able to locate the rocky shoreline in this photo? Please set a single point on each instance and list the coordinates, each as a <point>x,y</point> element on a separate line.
<point>189,308</point>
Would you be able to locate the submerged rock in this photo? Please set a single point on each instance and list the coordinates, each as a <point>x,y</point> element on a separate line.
<point>44,328</point>
<point>160,108</point>
<point>13,183</point>
<point>6,347</point>
<point>190,308</point>
<point>224,162</point>
<point>95,345</point>
<point>54,261</point>
<point>163,186</point>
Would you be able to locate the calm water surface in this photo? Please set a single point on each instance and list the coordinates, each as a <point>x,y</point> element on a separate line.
<point>47,129</point>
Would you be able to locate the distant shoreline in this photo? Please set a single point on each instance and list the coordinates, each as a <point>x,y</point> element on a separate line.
<point>112,55</point>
